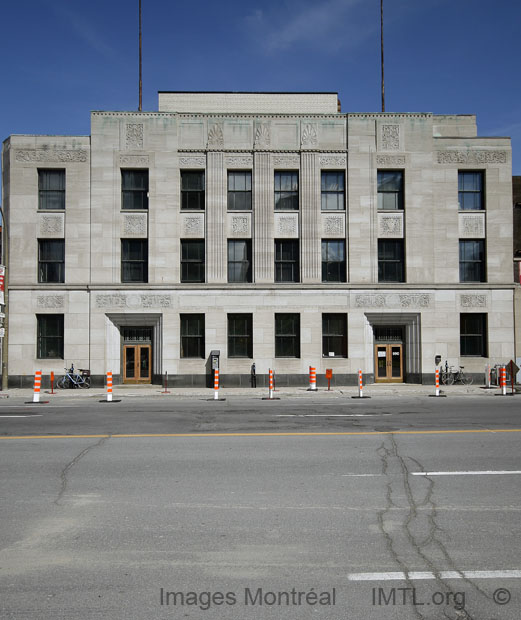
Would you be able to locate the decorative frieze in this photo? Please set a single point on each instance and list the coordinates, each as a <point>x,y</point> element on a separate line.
<point>389,137</point>
<point>134,160</point>
<point>50,155</point>
<point>473,301</point>
<point>309,138</point>
<point>390,225</point>
<point>286,225</point>
<point>51,225</point>
<point>50,301</point>
<point>134,136</point>
<point>192,161</point>
<point>472,225</point>
<point>240,224</point>
<point>133,300</point>
<point>472,157</point>
<point>288,161</point>
<point>390,160</point>
<point>393,300</point>
<point>262,136</point>
<point>216,136</point>
<point>239,161</point>
<point>335,161</point>
<point>135,224</point>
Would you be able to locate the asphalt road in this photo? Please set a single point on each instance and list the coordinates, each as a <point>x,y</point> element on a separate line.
<point>406,498</point>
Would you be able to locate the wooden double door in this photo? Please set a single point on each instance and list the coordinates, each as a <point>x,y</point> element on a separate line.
<point>388,363</point>
<point>137,363</point>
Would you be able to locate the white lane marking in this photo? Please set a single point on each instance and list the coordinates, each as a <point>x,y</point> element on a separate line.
<point>444,574</point>
<point>466,473</point>
<point>361,475</point>
<point>31,415</point>
<point>329,415</point>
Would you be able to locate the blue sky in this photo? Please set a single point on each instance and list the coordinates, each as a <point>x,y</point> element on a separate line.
<point>63,58</point>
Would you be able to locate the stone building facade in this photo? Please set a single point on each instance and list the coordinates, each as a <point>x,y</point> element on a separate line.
<point>269,227</point>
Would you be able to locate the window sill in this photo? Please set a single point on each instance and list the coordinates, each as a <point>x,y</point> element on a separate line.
<point>134,210</point>
<point>50,210</point>
<point>192,210</point>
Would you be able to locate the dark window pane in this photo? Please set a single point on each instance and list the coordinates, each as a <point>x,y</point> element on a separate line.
<point>332,191</point>
<point>472,260</point>
<point>239,261</point>
<point>470,191</point>
<point>240,335</point>
<point>134,260</point>
<point>334,334</point>
<point>51,189</point>
<point>286,191</point>
<point>390,190</point>
<point>134,189</point>
<point>192,260</point>
<point>51,260</point>
<point>287,335</point>
<point>239,191</point>
<point>287,260</point>
<point>49,336</point>
<point>473,334</point>
<point>333,261</point>
<point>391,265</point>
<point>192,335</point>
<point>192,190</point>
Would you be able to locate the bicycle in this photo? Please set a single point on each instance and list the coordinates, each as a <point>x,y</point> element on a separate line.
<point>72,379</point>
<point>450,375</point>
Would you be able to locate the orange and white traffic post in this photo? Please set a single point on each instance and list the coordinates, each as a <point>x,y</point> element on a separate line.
<point>37,386</point>
<point>437,382</point>
<point>312,379</point>
<point>271,383</point>
<point>216,384</point>
<point>109,386</point>
<point>360,384</point>
<point>503,380</point>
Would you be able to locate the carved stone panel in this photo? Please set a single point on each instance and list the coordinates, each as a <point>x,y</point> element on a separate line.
<point>239,225</point>
<point>36,156</point>
<point>192,161</point>
<point>192,225</point>
<point>389,137</point>
<point>391,161</point>
<point>51,225</point>
<point>286,225</point>
<point>133,300</point>
<point>333,225</point>
<point>134,140</point>
<point>471,225</point>
<point>370,301</point>
<point>472,157</point>
<point>215,136</point>
<point>134,225</point>
<point>394,300</point>
<point>239,161</point>
<point>308,136</point>
<point>262,136</point>
<point>138,161</point>
<point>333,161</point>
<point>415,300</point>
<point>390,225</point>
<point>473,301</point>
<point>286,161</point>
<point>50,301</point>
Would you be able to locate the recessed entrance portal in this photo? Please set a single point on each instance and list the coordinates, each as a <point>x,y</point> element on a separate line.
<point>388,354</point>
<point>137,354</point>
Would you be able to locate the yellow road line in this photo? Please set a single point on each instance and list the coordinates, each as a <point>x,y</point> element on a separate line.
<point>281,434</point>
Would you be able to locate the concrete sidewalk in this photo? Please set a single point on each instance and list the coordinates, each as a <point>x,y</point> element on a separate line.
<point>156,391</point>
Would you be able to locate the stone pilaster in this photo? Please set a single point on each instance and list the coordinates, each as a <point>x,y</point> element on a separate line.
<point>216,246</point>
<point>263,261</point>
<point>310,242</point>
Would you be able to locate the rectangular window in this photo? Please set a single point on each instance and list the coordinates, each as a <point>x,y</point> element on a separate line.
<point>192,190</point>
<point>134,189</point>
<point>333,260</point>
<point>287,335</point>
<point>334,335</point>
<point>192,335</point>
<point>51,260</point>
<point>49,336</point>
<point>240,335</point>
<point>134,260</point>
<point>470,191</point>
<point>473,334</point>
<point>390,190</point>
<point>391,263</point>
<point>287,260</point>
<point>239,260</point>
<point>239,191</point>
<point>51,190</point>
<point>286,191</point>
<point>472,260</point>
<point>192,260</point>
<point>333,191</point>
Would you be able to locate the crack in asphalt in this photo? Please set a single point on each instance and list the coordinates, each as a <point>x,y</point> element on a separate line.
<point>388,454</point>
<point>70,465</point>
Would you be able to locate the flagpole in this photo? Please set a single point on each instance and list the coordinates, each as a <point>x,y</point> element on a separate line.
<point>140,64</point>
<point>382,50</point>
